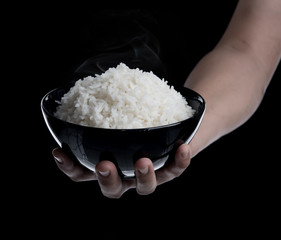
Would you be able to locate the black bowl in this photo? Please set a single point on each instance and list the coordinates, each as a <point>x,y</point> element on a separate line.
<point>89,145</point>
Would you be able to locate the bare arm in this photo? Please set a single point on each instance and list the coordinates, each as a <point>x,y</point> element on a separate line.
<point>234,76</point>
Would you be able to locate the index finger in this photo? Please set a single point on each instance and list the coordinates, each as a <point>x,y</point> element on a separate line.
<point>74,171</point>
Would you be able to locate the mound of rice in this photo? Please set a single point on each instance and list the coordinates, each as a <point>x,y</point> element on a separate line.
<point>123,98</point>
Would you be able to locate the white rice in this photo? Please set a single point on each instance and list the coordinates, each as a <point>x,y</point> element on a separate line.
<point>123,98</point>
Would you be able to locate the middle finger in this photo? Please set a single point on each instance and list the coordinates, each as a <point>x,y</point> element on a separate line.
<point>145,176</point>
<point>109,180</point>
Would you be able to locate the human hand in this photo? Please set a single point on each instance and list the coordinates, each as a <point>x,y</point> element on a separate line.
<point>110,182</point>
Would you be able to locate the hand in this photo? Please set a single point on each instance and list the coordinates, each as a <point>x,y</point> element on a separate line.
<point>112,186</point>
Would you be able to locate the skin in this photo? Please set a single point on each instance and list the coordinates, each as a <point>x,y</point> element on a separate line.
<point>237,71</point>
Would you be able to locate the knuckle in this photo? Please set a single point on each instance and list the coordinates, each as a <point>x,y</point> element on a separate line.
<point>75,179</point>
<point>113,192</point>
<point>112,195</point>
<point>146,190</point>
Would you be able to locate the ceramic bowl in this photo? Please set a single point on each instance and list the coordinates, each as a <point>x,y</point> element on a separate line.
<point>89,145</point>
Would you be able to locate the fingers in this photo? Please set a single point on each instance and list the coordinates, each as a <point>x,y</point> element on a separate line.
<point>113,186</point>
<point>176,167</point>
<point>74,171</point>
<point>146,180</point>
<point>145,176</point>
<point>110,182</point>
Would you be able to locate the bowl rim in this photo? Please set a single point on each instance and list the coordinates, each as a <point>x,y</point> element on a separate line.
<point>198,114</point>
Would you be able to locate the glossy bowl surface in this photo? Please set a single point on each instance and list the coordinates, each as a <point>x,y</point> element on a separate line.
<point>89,145</point>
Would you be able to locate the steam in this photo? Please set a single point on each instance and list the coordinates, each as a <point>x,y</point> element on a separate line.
<point>121,37</point>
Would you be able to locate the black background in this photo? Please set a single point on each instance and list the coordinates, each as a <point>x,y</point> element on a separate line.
<point>235,177</point>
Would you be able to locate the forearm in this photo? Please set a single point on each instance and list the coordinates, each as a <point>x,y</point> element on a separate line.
<point>234,76</point>
<point>222,78</point>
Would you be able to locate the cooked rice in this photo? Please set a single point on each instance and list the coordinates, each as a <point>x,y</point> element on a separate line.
<point>123,98</point>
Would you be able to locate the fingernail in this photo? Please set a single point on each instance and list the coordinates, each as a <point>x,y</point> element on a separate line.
<point>59,160</point>
<point>184,155</point>
<point>56,156</point>
<point>104,173</point>
<point>143,170</point>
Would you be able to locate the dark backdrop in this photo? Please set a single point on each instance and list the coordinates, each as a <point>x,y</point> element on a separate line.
<point>235,176</point>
